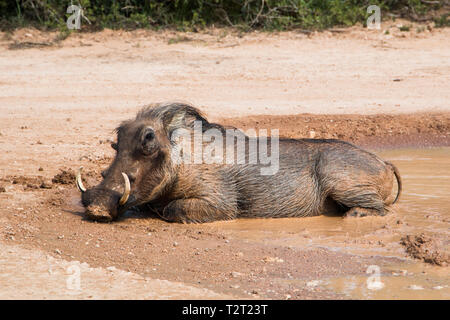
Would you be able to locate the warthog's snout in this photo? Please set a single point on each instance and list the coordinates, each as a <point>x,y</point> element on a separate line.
<point>103,204</point>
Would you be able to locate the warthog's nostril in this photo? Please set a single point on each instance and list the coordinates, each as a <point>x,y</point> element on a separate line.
<point>98,213</point>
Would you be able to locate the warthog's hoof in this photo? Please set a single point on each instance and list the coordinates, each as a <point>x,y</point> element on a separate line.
<point>99,214</point>
<point>363,212</point>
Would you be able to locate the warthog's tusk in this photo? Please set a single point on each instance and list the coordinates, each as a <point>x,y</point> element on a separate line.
<point>126,192</point>
<point>80,185</point>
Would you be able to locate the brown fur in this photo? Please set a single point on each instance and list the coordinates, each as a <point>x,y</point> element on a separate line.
<point>314,176</point>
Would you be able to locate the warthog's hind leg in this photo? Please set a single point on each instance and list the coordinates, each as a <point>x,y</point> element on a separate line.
<point>195,211</point>
<point>360,201</point>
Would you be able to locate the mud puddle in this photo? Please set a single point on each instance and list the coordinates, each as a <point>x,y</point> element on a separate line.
<point>424,208</point>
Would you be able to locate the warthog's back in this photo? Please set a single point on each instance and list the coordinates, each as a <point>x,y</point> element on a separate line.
<point>309,172</point>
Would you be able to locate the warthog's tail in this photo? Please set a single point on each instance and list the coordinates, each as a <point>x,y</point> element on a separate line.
<point>399,180</point>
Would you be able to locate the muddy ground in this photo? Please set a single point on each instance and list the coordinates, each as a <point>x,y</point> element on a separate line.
<point>61,102</point>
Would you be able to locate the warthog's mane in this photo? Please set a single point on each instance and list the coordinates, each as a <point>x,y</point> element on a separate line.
<point>174,115</point>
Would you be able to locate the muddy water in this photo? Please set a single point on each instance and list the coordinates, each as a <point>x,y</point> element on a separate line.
<point>424,207</point>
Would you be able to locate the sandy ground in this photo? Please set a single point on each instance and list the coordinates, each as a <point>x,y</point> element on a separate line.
<point>358,71</point>
<point>61,102</point>
<point>44,277</point>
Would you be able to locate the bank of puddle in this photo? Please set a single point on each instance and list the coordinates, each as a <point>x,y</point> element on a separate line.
<point>424,208</point>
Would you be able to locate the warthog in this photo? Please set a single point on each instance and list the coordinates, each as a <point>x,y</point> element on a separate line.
<point>314,176</point>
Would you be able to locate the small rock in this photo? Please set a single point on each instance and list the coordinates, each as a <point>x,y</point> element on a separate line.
<point>313,283</point>
<point>272,259</point>
<point>175,244</point>
<point>235,274</point>
<point>57,251</point>
<point>41,169</point>
<point>312,134</point>
<point>45,185</point>
<point>415,287</point>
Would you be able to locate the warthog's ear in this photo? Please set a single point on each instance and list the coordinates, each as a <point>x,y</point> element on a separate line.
<point>184,120</point>
<point>181,116</point>
<point>177,121</point>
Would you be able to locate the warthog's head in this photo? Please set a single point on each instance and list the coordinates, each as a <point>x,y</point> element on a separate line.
<point>142,169</point>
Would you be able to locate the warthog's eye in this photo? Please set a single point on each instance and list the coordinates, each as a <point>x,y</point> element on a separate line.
<point>148,141</point>
<point>149,135</point>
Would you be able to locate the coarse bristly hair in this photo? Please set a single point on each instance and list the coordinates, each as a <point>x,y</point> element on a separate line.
<point>314,176</point>
<point>173,115</point>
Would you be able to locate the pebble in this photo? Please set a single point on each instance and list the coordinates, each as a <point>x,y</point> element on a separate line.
<point>415,287</point>
<point>273,259</point>
<point>313,283</point>
<point>45,185</point>
<point>57,251</point>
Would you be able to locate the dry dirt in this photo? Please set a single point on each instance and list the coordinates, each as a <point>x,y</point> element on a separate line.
<point>60,103</point>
